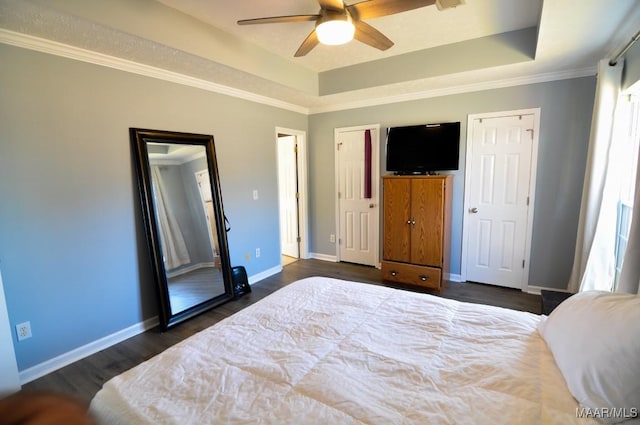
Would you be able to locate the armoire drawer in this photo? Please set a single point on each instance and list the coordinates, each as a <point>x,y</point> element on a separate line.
<point>428,277</point>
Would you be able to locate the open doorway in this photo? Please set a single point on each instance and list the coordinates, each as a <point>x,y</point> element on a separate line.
<point>292,194</point>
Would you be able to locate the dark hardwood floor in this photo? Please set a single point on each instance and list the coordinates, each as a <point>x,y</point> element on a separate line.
<point>85,377</point>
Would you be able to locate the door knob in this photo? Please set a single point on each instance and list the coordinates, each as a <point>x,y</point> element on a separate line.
<point>473,210</point>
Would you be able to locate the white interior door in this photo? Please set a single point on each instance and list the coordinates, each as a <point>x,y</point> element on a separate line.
<point>358,215</point>
<point>288,196</point>
<point>499,199</point>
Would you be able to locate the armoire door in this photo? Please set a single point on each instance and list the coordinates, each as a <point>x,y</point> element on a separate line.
<point>427,197</point>
<point>397,212</point>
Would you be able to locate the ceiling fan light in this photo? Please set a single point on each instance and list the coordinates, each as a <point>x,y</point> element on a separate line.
<point>335,32</point>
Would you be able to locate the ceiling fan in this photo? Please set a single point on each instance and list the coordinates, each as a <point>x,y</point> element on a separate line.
<point>338,23</point>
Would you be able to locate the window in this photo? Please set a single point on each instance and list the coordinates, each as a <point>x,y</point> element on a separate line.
<point>626,151</point>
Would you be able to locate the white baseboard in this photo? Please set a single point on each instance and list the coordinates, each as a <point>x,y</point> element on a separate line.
<point>453,277</point>
<point>79,353</point>
<point>265,274</point>
<point>93,347</point>
<point>535,290</point>
<point>323,257</point>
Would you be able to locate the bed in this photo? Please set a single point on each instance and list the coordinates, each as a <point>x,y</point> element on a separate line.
<point>327,351</point>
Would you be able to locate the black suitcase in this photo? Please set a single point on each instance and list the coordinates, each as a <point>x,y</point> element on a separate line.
<point>240,281</point>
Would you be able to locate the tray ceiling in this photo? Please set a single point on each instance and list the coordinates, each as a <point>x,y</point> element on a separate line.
<point>481,44</point>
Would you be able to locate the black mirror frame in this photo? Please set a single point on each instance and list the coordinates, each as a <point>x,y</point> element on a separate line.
<point>139,137</point>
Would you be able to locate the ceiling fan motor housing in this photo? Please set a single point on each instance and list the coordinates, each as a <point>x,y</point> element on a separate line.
<point>335,27</point>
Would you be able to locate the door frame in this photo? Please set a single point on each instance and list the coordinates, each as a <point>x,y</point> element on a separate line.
<point>8,364</point>
<point>532,187</point>
<point>375,179</point>
<point>303,205</point>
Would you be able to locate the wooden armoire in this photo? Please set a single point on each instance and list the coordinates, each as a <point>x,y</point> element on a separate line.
<point>417,229</point>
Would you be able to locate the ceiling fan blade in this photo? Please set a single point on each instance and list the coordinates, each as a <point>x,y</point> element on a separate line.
<point>279,19</point>
<point>377,8</point>
<point>309,43</point>
<point>371,36</point>
<point>331,4</point>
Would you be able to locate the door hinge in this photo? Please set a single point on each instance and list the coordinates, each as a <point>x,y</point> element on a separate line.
<point>338,145</point>
<point>527,201</point>
<point>298,197</point>
<point>295,148</point>
<point>523,264</point>
<point>298,239</point>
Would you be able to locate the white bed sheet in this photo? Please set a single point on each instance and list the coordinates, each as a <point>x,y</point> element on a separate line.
<point>326,351</point>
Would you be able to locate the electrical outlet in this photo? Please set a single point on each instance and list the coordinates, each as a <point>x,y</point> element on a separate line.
<point>257,252</point>
<point>332,238</point>
<point>255,194</point>
<point>23,330</point>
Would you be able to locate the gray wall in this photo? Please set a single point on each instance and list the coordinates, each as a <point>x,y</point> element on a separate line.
<point>631,73</point>
<point>73,254</point>
<point>72,248</point>
<point>566,108</point>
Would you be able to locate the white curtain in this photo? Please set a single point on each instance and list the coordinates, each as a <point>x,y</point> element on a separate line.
<point>629,280</point>
<point>174,248</point>
<point>594,259</point>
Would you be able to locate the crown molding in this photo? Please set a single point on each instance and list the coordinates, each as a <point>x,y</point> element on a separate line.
<point>459,89</point>
<point>71,52</point>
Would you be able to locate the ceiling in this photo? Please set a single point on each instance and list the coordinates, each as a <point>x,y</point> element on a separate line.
<point>480,44</point>
<point>173,154</point>
<point>414,30</point>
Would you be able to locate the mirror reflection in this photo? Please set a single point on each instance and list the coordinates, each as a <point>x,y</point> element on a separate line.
<point>182,209</point>
<point>186,223</point>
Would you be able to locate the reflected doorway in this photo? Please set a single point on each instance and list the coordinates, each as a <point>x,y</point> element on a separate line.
<point>206,200</point>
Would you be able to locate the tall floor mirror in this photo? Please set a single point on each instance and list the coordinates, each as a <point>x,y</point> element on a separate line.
<point>184,220</point>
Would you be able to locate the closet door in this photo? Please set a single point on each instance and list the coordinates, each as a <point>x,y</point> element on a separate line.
<point>397,209</point>
<point>427,217</point>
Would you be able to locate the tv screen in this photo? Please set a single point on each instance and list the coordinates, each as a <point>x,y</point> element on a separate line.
<point>423,148</point>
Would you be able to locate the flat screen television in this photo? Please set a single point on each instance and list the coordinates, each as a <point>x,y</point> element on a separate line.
<point>423,149</point>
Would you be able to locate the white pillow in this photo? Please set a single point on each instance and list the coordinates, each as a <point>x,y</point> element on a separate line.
<point>595,340</point>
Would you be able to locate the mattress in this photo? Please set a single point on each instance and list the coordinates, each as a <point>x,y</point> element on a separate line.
<point>327,351</point>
